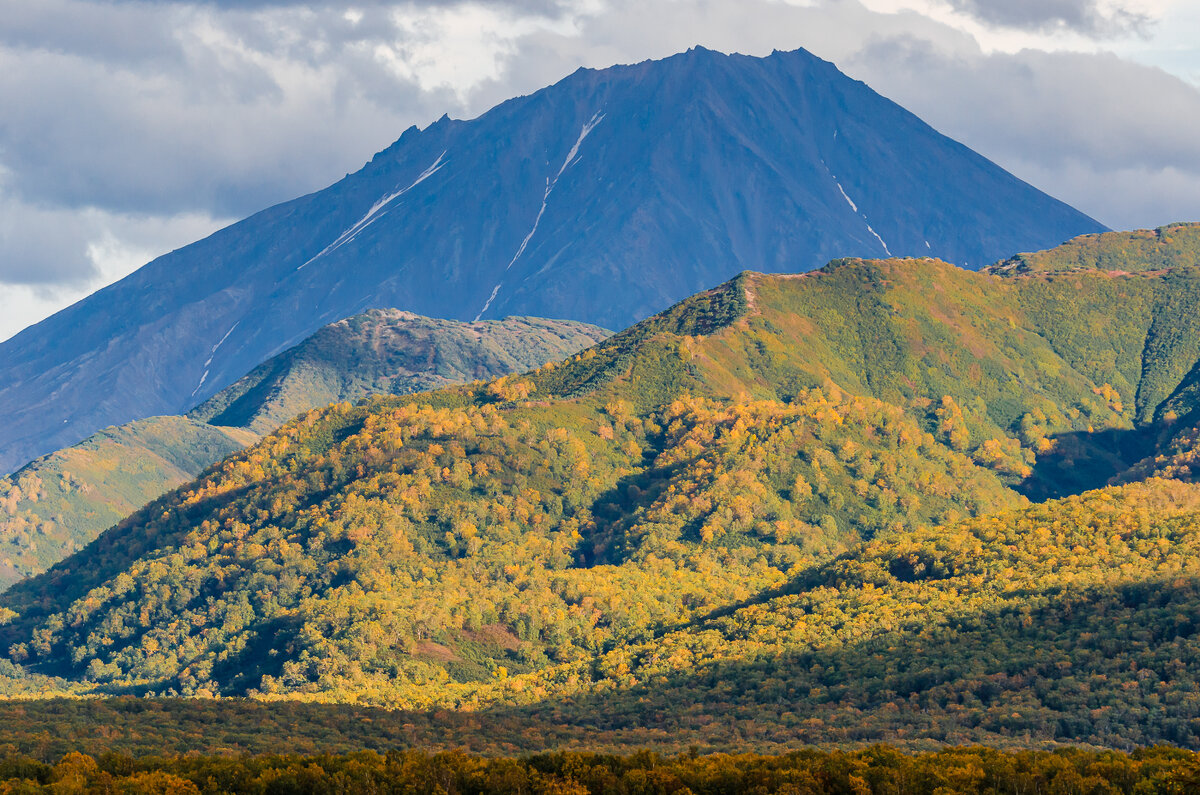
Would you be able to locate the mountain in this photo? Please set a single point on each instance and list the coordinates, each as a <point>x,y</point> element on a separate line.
<point>62,501</point>
<point>389,352</point>
<point>603,198</point>
<point>859,504</point>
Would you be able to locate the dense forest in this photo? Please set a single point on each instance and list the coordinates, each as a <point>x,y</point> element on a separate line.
<point>886,501</point>
<point>877,770</point>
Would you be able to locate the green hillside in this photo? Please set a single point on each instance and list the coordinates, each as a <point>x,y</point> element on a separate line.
<point>1168,246</point>
<point>863,504</point>
<point>59,503</point>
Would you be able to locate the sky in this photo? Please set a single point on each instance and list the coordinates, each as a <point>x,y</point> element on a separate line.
<point>129,128</point>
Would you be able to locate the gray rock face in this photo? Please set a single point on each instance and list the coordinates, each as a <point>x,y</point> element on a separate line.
<point>603,198</point>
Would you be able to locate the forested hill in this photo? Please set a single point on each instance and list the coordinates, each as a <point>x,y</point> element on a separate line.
<point>704,516</point>
<point>60,502</point>
<point>602,198</point>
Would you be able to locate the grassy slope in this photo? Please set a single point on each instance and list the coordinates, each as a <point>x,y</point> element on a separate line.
<point>1169,246</point>
<point>59,503</point>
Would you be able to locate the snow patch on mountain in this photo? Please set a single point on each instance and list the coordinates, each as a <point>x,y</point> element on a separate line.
<point>583,133</point>
<point>220,342</point>
<point>887,250</point>
<point>597,117</point>
<point>571,157</point>
<point>849,201</point>
<point>213,352</point>
<point>854,207</point>
<point>203,378</point>
<point>545,197</point>
<point>491,298</point>
<point>373,214</point>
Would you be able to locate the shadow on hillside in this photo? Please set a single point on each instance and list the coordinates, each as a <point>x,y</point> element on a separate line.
<point>1006,675</point>
<point>1082,461</point>
<point>635,492</point>
<point>1059,666</point>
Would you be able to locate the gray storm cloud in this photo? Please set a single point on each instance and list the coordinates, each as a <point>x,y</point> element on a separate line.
<point>1085,16</point>
<point>540,7</point>
<point>220,115</point>
<point>1112,137</point>
<point>44,247</point>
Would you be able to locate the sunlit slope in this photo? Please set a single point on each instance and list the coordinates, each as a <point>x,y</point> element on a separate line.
<point>60,502</point>
<point>1060,380</point>
<point>1168,246</point>
<point>1072,621</point>
<point>469,540</point>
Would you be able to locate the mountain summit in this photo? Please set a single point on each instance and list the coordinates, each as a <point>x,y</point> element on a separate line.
<point>603,198</point>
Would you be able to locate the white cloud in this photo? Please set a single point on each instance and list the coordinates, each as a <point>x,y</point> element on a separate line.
<point>461,46</point>
<point>1082,126</point>
<point>56,257</point>
<point>1013,25</point>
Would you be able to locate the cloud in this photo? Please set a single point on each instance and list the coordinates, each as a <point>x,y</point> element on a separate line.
<point>1087,16</point>
<point>125,34</point>
<point>534,7</point>
<point>174,107</point>
<point>217,120</point>
<point>1083,126</point>
<point>52,256</point>
<point>1129,198</point>
<point>43,247</point>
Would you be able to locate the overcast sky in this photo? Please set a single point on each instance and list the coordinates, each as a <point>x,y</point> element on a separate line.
<point>132,127</point>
